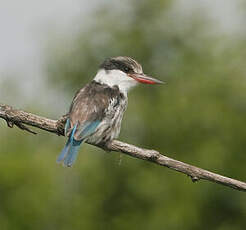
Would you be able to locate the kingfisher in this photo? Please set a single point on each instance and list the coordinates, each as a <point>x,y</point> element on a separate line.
<point>97,109</point>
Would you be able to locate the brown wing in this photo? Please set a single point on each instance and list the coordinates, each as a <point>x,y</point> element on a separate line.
<point>89,105</point>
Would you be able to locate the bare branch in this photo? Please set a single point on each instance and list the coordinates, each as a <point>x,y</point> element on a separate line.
<point>20,119</point>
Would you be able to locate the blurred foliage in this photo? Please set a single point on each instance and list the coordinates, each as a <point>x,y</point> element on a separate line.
<point>197,117</point>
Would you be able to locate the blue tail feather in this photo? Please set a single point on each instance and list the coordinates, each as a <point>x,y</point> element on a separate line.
<point>70,150</point>
<point>64,152</point>
<point>72,153</point>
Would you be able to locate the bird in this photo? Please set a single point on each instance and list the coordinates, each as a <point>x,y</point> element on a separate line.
<point>97,109</point>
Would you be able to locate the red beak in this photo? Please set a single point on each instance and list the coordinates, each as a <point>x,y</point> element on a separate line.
<point>142,78</point>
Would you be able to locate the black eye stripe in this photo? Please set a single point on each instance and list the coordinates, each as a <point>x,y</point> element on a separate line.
<point>122,66</point>
<point>126,69</point>
<point>111,64</point>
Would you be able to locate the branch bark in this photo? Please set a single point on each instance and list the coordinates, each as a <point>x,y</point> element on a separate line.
<point>21,119</point>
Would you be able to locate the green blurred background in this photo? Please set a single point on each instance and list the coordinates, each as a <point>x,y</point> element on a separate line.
<point>198,117</point>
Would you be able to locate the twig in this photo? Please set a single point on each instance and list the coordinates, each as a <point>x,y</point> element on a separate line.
<point>19,118</point>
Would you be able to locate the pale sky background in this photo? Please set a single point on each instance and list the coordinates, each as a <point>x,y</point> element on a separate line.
<point>26,25</point>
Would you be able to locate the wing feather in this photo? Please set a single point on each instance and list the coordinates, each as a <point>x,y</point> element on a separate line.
<point>88,108</point>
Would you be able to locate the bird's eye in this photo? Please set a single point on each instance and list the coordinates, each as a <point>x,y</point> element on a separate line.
<point>126,69</point>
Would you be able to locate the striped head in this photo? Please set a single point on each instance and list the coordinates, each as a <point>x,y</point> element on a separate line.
<point>123,72</point>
